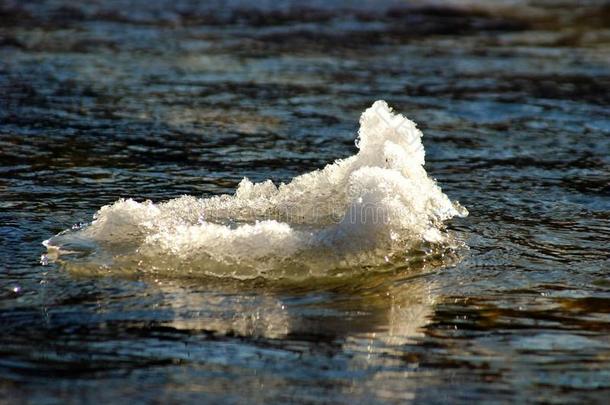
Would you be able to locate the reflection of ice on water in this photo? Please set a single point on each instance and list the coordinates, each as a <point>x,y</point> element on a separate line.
<point>394,315</point>
<point>354,339</point>
<point>228,314</point>
<point>381,355</point>
<point>409,313</point>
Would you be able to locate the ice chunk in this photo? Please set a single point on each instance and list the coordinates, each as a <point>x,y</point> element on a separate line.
<point>363,210</point>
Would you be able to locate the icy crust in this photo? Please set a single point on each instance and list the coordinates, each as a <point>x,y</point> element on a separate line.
<point>364,209</point>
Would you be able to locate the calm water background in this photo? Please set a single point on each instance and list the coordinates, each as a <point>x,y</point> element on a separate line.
<point>154,99</point>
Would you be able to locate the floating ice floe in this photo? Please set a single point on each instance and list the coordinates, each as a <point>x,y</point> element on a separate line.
<point>364,211</point>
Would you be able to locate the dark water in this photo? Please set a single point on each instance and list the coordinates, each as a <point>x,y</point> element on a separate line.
<point>154,99</point>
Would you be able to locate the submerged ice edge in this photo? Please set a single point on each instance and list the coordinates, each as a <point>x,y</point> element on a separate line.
<point>376,203</point>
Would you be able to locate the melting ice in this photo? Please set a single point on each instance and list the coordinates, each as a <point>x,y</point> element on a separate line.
<point>368,209</point>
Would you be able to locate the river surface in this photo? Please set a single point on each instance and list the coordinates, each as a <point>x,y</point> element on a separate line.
<point>155,99</point>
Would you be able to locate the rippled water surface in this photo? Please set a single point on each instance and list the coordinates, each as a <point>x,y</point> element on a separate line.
<point>156,99</point>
